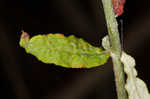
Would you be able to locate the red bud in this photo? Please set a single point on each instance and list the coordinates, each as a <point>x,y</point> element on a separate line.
<point>118,6</point>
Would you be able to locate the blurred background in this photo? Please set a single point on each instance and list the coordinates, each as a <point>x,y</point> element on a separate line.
<point>24,77</point>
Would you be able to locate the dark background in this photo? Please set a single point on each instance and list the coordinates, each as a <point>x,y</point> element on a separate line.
<point>24,77</point>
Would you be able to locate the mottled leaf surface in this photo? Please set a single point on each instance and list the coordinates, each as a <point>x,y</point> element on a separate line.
<point>70,52</point>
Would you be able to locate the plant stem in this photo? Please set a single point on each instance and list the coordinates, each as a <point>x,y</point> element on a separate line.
<point>115,48</point>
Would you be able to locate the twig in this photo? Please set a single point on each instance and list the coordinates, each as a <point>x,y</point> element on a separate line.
<point>115,48</point>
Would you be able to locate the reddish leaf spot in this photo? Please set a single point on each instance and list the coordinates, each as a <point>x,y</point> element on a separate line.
<point>58,34</point>
<point>61,35</point>
<point>118,6</point>
<point>82,66</point>
<point>25,35</point>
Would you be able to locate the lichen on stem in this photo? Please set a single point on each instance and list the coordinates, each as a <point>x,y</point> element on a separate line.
<point>115,50</point>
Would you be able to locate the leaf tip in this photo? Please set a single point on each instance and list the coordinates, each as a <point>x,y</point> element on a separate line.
<point>24,39</point>
<point>25,36</point>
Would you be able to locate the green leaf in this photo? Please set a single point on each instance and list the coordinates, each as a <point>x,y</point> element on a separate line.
<point>70,52</point>
<point>135,87</point>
